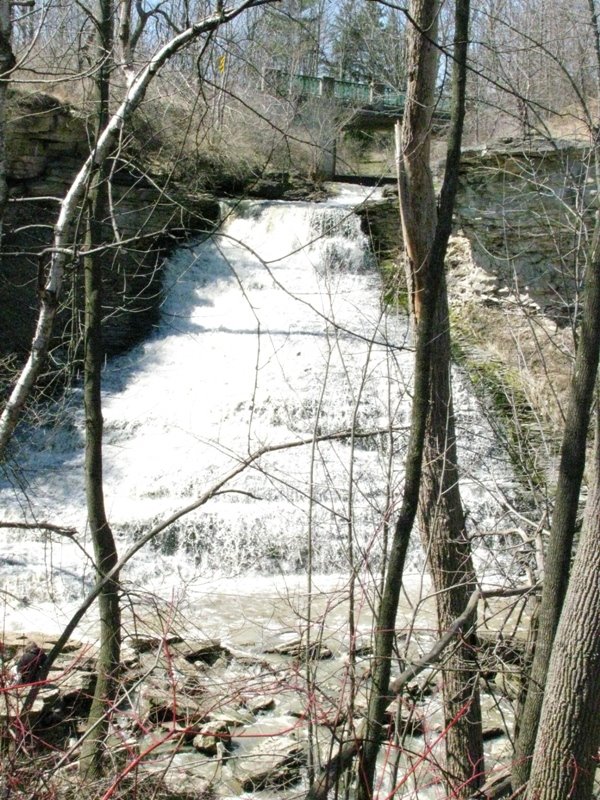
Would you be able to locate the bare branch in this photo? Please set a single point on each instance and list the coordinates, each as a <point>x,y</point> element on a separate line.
<point>343,758</point>
<point>42,526</point>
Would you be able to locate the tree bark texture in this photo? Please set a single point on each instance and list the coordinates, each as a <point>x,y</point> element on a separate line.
<point>560,544</point>
<point>441,517</point>
<point>105,550</point>
<point>566,750</point>
<point>7,62</point>
<point>432,431</point>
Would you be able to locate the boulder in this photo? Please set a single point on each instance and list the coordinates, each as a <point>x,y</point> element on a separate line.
<point>150,644</point>
<point>297,649</point>
<point>273,764</point>
<point>210,736</point>
<point>259,703</point>
<point>159,702</point>
<point>207,651</point>
<point>75,688</point>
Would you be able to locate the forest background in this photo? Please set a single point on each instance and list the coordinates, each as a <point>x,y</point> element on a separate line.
<point>167,93</point>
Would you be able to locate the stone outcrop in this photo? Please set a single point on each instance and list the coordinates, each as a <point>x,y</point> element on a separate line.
<point>47,142</point>
<point>522,227</point>
<point>523,207</point>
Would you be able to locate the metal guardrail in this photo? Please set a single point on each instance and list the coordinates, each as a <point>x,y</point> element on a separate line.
<point>375,99</point>
<point>351,92</point>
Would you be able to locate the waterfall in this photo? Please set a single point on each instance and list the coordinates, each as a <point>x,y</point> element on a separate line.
<point>272,332</point>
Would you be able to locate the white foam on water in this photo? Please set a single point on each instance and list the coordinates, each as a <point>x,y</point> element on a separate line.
<point>271,332</point>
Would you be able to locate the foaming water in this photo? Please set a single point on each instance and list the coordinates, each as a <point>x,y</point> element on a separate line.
<point>272,333</point>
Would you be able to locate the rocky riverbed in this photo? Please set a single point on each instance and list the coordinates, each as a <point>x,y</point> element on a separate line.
<point>200,718</point>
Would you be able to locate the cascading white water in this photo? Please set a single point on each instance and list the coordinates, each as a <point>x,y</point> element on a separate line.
<point>272,332</point>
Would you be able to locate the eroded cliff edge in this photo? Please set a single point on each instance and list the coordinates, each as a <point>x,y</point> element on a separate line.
<point>150,213</point>
<point>515,270</point>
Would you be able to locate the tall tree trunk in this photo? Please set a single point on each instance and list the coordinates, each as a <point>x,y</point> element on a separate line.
<point>566,750</point>
<point>431,460</point>
<point>560,544</point>
<point>441,517</point>
<point>104,545</point>
<point>572,463</point>
<point>7,62</point>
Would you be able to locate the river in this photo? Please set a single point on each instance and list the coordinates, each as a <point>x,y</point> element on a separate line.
<point>275,357</point>
<point>272,333</point>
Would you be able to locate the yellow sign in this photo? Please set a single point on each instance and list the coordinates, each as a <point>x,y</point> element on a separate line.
<point>221,63</point>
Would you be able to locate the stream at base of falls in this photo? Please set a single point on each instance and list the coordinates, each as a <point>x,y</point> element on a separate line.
<point>275,358</point>
<point>272,333</point>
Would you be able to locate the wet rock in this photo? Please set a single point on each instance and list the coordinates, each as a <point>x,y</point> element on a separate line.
<point>75,688</point>
<point>10,708</point>
<point>183,785</point>
<point>229,716</point>
<point>14,643</point>
<point>297,648</point>
<point>207,651</point>
<point>363,647</point>
<point>272,186</point>
<point>150,644</point>
<point>409,720</point>
<point>274,763</point>
<point>158,702</point>
<point>260,703</point>
<point>493,733</point>
<point>161,742</point>
<point>211,736</point>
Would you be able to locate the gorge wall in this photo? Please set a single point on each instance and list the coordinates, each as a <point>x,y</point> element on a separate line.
<point>523,223</point>
<point>46,144</point>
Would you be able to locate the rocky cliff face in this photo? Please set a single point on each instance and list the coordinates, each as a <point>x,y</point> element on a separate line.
<point>47,143</point>
<point>524,224</point>
<point>526,209</point>
<point>524,219</point>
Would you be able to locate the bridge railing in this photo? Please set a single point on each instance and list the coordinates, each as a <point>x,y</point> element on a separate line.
<point>351,92</point>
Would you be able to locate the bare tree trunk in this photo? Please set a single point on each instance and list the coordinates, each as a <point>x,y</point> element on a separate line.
<point>558,554</point>
<point>566,750</point>
<point>431,461</point>
<point>441,517</point>
<point>7,62</point>
<point>105,550</point>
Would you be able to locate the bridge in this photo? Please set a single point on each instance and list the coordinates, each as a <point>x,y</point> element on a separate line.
<point>375,105</point>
